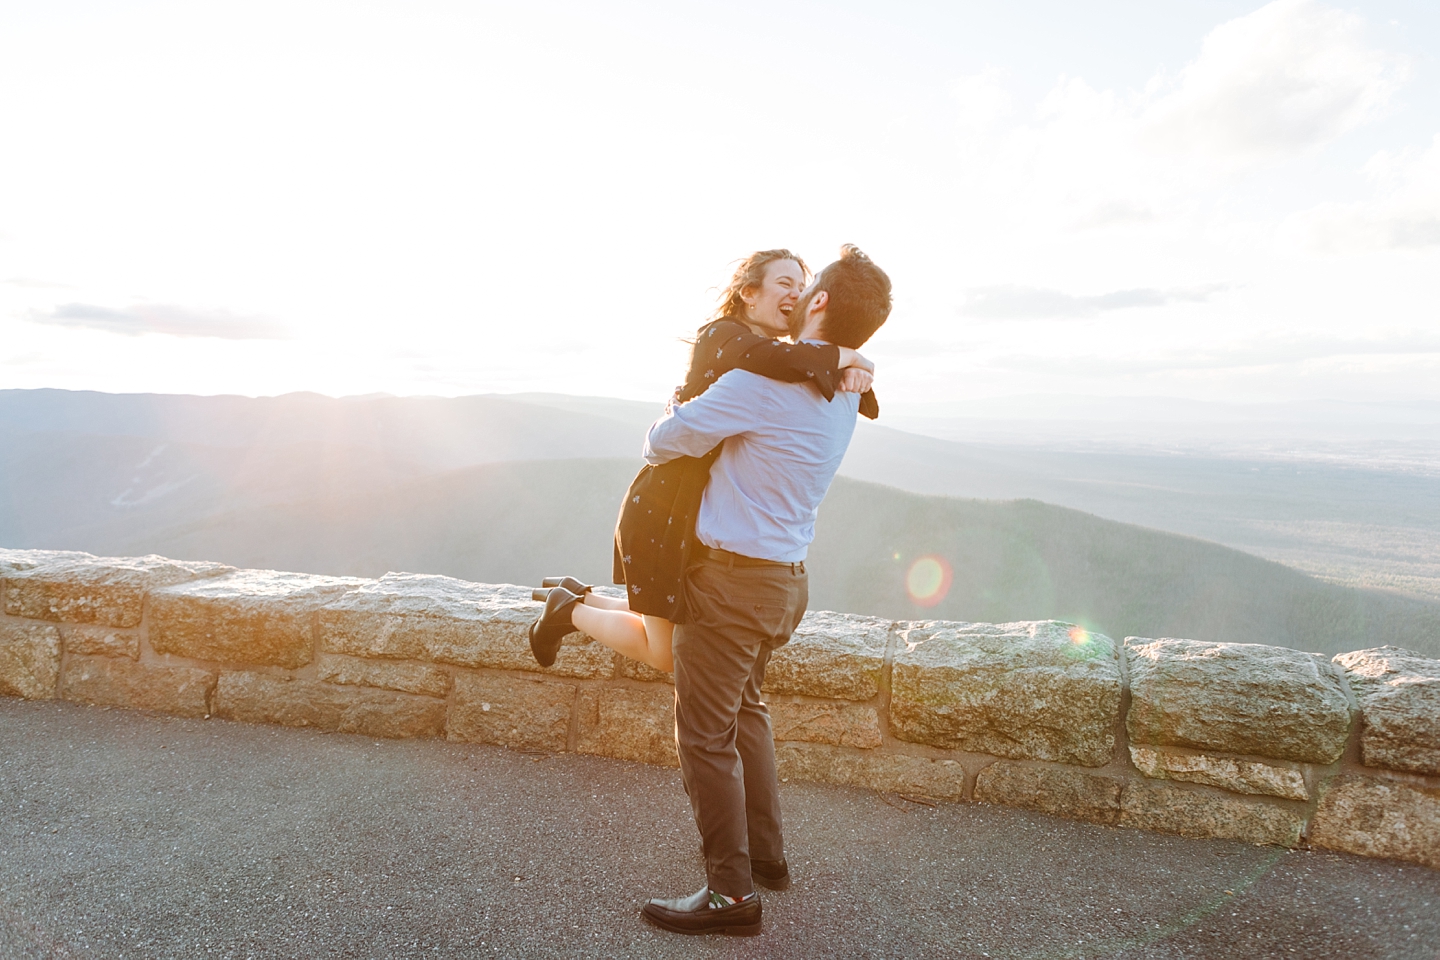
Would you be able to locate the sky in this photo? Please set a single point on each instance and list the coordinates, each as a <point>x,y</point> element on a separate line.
<point>1202,199</point>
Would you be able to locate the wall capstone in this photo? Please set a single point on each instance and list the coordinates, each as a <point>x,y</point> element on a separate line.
<point>1399,695</point>
<point>1027,691</point>
<point>831,655</point>
<point>101,590</point>
<point>411,616</point>
<point>1236,698</point>
<point>250,616</point>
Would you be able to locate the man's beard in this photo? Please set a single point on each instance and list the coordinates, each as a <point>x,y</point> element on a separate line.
<point>796,321</point>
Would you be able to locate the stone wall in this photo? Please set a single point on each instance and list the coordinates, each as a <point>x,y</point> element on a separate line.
<point>1242,741</point>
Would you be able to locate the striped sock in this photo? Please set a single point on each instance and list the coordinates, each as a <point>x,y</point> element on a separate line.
<point>718,900</point>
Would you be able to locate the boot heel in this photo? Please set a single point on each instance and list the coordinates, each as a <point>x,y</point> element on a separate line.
<point>569,583</point>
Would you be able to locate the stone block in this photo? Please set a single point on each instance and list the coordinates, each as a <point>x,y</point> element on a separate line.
<point>628,724</point>
<point>1245,698</point>
<point>516,712</point>
<point>843,724</point>
<point>407,616</point>
<point>101,641</point>
<point>1165,808</point>
<point>13,561</point>
<point>250,616</point>
<point>405,676</point>
<point>1399,694</point>
<point>833,655</point>
<point>889,772</point>
<point>109,591</point>
<point>635,670</point>
<point>1027,691</point>
<point>29,660</point>
<point>125,683</point>
<point>1063,792</point>
<point>1379,818</point>
<point>295,702</point>
<point>1229,773</point>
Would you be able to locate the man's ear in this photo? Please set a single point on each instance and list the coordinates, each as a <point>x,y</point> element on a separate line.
<point>817,303</point>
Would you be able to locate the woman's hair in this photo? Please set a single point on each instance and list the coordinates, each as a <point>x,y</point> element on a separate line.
<point>751,273</point>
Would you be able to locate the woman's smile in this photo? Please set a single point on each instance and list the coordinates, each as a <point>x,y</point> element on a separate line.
<point>769,303</point>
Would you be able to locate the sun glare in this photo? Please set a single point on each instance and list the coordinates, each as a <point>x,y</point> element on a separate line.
<point>928,580</point>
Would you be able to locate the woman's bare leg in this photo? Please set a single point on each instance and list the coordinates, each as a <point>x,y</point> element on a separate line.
<point>646,639</point>
<point>660,633</point>
<point>602,602</point>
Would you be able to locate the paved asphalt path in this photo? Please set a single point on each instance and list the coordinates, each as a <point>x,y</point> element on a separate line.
<point>131,835</point>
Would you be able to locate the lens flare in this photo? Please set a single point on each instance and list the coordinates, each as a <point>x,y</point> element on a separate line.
<point>928,580</point>
<point>1079,635</point>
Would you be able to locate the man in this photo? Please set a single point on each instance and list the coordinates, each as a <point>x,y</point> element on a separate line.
<point>747,588</point>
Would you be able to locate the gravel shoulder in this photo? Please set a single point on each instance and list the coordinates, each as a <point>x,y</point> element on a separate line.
<point>130,835</point>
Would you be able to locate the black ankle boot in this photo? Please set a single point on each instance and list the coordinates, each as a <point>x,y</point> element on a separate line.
<point>569,583</point>
<point>552,626</point>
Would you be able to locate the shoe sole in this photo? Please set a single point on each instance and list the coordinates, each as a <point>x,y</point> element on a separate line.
<point>780,883</point>
<point>733,930</point>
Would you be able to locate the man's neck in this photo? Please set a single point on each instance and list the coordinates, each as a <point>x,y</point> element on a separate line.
<point>811,331</point>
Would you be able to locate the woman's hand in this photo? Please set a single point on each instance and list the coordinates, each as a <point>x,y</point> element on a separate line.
<point>851,360</point>
<point>855,380</point>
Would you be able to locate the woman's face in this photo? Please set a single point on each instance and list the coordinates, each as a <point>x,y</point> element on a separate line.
<point>768,305</point>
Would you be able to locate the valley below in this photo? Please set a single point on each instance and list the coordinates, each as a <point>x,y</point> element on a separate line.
<point>1317,554</point>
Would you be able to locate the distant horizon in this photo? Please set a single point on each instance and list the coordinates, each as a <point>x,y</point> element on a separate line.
<point>947,409</point>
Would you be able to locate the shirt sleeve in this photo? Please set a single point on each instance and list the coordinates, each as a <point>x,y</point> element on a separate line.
<point>728,345</point>
<point>694,428</point>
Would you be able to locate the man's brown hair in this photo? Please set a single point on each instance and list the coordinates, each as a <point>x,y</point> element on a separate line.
<point>859,299</point>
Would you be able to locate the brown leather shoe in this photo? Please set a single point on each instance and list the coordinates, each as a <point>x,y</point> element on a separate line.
<point>693,914</point>
<point>771,874</point>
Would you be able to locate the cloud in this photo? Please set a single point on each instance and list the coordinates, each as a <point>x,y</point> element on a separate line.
<point>1286,79</point>
<point>981,99</point>
<point>1114,213</point>
<point>159,318</point>
<point>1404,213</point>
<point>1269,352</point>
<point>31,283</point>
<point>923,348</point>
<point>1034,303</point>
<point>1290,76</point>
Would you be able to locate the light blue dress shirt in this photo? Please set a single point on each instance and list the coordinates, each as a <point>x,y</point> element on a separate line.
<point>783,445</point>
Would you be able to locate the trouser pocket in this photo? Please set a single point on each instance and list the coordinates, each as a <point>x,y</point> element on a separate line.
<point>750,605</point>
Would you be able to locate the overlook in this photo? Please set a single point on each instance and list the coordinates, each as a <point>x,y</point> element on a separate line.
<point>726,479</point>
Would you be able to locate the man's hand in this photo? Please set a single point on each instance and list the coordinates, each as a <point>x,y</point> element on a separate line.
<point>851,360</point>
<point>855,380</point>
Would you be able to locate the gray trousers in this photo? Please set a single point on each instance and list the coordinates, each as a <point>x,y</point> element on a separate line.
<point>737,616</point>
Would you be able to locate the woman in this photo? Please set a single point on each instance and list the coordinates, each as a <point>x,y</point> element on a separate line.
<point>657,518</point>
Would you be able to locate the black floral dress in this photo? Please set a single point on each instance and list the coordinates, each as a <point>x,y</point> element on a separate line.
<point>656,528</point>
